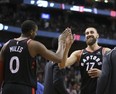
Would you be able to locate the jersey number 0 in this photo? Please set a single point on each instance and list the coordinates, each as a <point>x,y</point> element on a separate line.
<point>14,60</point>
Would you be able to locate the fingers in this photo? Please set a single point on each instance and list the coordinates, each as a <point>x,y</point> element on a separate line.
<point>67,30</point>
<point>67,36</point>
<point>94,72</point>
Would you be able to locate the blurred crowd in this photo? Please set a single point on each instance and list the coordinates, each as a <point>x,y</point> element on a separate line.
<point>15,14</point>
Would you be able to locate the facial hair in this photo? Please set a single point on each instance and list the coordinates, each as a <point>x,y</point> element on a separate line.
<point>90,41</point>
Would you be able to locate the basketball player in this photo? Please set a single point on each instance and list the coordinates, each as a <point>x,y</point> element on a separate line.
<point>18,57</point>
<point>89,60</point>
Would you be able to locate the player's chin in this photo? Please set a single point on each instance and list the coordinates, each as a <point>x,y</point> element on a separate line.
<point>90,42</point>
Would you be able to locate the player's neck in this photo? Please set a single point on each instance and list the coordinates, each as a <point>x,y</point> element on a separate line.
<point>93,47</point>
<point>24,36</point>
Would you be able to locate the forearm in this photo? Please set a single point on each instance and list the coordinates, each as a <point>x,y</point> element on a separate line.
<point>60,50</point>
<point>64,59</point>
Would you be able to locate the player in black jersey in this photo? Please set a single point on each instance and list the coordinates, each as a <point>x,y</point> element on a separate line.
<point>107,81</point>
<point>89,60</point>
<point>18,58</point>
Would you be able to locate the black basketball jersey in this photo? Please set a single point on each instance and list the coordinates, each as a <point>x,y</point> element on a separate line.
<point>88,61</point>
<point>20,67</point>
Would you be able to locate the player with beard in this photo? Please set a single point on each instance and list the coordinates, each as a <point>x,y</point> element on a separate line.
<point>89,60</point>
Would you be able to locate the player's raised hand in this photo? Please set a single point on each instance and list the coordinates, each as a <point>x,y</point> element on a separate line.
<point>64,35</point>
<point>69,38</point>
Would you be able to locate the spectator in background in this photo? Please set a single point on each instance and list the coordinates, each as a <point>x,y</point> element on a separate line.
<point>71,89</point>
<point>40,86</point>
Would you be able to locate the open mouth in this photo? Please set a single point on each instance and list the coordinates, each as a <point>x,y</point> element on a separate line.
<point>90,37</point>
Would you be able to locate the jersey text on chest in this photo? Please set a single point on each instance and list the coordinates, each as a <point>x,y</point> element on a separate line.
<point>91,57</point>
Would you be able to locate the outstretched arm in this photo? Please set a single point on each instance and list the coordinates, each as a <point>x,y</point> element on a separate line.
<point>36,48</point>
<point>74,57</point>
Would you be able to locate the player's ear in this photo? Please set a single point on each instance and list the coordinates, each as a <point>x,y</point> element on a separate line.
<point>97,35</point>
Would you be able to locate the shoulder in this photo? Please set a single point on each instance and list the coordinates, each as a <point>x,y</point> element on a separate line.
<point>77,53</point>
<point>34,44</point>
<point>105,50</point>
<point>31,41</point>
<point>113,51</point>
<point>36,47</point>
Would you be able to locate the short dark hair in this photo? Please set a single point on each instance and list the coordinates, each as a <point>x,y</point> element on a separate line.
<point>93,26</point>
<point>27,26</point>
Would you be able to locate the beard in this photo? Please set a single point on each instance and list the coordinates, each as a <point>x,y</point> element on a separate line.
<point>90,41</point>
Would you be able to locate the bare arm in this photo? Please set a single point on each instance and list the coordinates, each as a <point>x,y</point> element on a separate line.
<point>36,48</point>
<point>74,57</point>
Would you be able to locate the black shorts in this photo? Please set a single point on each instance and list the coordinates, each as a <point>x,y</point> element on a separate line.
<point>17,89</point>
